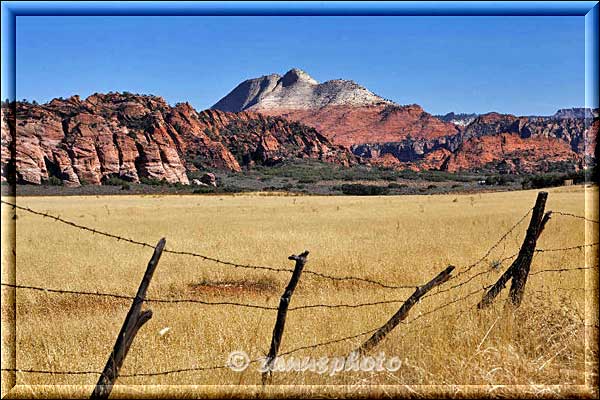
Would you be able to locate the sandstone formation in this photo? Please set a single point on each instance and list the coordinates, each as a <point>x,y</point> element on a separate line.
<point>388,134</point>
<point>136,137</point>
<point>497,142</point>
<point>506,153</point>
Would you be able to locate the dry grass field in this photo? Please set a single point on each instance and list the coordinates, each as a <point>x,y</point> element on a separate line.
<point>401,240</point>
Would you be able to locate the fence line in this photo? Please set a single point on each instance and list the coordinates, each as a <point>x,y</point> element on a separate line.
<point>450,288</point>
<point>285,353</point>
<point>502,238</point>
<point>202,256</point>
<point>305,347</point>
<point>501,261</point>
<point>567,214</point>
<point>579,247</point>
<point>481,259</point>
<point>203,302</point>
<point>563,270</point>
<point>308,306</point>
<point>260,267</point>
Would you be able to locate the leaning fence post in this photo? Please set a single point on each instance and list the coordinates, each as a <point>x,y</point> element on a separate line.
<point>402,313</point>
<point>282,312</point>
<point>539,220</point>
<point>133,322</point>
<point>519,269</point>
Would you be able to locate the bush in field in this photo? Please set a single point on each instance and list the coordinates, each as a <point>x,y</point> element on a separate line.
<point>364,190</point>
<point>542,181</point>
<point>499,180</point>
<point>549,180</point>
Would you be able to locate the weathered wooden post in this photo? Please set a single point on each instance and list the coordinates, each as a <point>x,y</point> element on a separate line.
<point>282,312</point>
<point>402,313</point>
<point>133,322</point>
<point>519,269</point>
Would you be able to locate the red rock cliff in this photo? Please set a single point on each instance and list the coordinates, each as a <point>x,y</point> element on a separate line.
<point>133,137</point>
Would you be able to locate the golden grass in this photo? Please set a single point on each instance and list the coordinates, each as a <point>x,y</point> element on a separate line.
<point>401,240</point>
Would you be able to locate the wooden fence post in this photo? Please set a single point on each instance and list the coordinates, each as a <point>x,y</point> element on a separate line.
<point>519,269</point>
<point>282,312</point>
<point>133,322</point>
<point>402,313</point>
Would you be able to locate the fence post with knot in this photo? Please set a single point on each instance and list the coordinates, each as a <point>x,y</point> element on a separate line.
<point>282,312</point>
<point>519,269</point>
<point>133,322</point>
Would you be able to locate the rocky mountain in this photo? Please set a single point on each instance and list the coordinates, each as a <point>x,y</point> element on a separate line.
<point>386,133</point>
<point>296,90</point>
<point>135,137</point>
<point>342,110</point>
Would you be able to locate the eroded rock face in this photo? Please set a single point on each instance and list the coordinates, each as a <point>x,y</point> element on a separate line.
<point>134,137</point>
<point>352,126</point>
<point>506,152</point>
<point>89,141</point>
<point>386,133</point>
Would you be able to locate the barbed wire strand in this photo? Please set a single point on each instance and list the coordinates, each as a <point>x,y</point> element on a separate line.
<point>567,214</point>
<point>203,302</point>
<point>578,247</point>
<point>202,256</point>
<point>561,270</point>
<point>489,251</point>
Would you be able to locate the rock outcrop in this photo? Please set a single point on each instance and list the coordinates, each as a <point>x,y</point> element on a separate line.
<point>354,125</point>
<point>496,142</point>
<point>386,133</point>
<point>505,153</point>
<point>136,137</point>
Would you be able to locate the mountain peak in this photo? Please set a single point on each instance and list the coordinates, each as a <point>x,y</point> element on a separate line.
<point>296,90</point>
<point>296,75</point>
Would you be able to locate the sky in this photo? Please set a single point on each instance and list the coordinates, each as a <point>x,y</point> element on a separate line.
<point>518,65</point>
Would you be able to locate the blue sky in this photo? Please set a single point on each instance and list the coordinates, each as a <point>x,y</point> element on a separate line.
<point>520,65</point>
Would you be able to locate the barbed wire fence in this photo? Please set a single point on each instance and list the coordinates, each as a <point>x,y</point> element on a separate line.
<point>458,283</point>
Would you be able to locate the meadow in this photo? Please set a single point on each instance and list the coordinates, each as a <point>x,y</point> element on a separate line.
<point>546,346</point>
